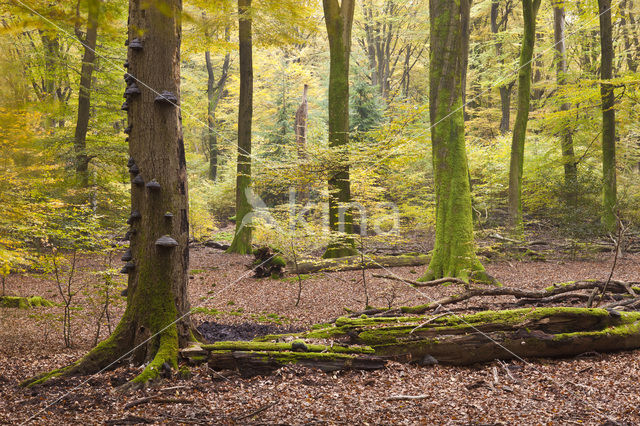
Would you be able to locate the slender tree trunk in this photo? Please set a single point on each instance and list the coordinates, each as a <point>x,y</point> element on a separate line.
<point>339,19</point>
<point>156,322</point>
<point>454,251</point>
<point>301,140</point>
<point>609,200</point>
<point>568,157</point>
<point>505,89</point>
<point>530,10</point>
<point>244,228</point>
<point>84,94</point>
<point>215,92</point>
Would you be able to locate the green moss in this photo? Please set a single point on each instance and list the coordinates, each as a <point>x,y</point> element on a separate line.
<point>184,373</point>
<point>24,302</point>
<point>278,261</point>
<point>279,347</point>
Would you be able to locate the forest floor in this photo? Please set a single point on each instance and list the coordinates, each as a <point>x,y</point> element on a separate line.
<point>594,389</point>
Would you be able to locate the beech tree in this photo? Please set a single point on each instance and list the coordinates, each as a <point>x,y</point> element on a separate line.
<point>568,156</point>
<point>609,199</point>
<point>529,14</point>
<point>454,252</point>
<point>89,41</point>
<point>242,239</point>
<point>339,19</point>
<point>155,323</point>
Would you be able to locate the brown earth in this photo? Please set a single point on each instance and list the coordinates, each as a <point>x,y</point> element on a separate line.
<point>592,389</point>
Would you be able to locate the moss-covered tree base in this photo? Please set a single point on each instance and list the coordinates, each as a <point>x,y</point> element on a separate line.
<point>366,343</point>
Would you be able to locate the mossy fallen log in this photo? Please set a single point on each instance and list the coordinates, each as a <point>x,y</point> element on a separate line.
<point>24,302</point>
<point>365,343</point>
<point>352,263</point>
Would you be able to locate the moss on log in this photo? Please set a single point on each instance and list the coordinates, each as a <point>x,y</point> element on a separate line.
<point>24,302</point>
<point>365,343</point>
<point>351,263</point>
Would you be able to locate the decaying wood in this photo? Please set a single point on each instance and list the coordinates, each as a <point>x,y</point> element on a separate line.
<point>352,263</point>
<point>432,283</point>
<point>367,343</point>
<point>156,399</point>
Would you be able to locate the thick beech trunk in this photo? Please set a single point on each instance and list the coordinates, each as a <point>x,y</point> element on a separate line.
<point>568,157</point>
<point>366,343</point>
<point>84,94</point>
<point>244,227</point>
<point>609,199</point>
<point>156,322</point>
<point>339,19</point>
<point>530,11</point>
<point>454,251</point>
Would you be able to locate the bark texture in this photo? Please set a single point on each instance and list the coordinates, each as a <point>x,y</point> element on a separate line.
<point>454,251</point>
<point>244,228</point>
<point>215,92</point>
<point>529,13</point>
<point>609,195</point>
<point>88,41</point>
<point>566,137</point>
<point>155,323</point>
<point>368,342</point>
<point>339,20</point>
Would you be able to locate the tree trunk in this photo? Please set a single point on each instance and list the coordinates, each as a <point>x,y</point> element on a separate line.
<point>367,343</point>
<point>568,157</point>
<point>339,19</point>
<point>301,141</point>
<point>156,322</point>
<point>505,89</point>
<point>609,200</point>
<point>84,94</point>
<point>244,227</point>
<point>627,24</point>
<point>454,252</point>
<point>530,11</point>
<point>215,92</point>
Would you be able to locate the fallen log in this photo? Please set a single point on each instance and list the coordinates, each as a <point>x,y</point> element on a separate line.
<point>352,263</point>
<point>24,302</point>
<point>367,343</point>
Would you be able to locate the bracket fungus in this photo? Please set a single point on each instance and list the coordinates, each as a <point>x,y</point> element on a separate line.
<point>131,162</point>
<point>136,44</point>
<point>130,266</point>
<point>125,106</point>
<point>166,242</point>
<point>132,90</point>
<point>168,215</point>
<point>127,256</point>
<point>134,170</point>
<point>153,185</point>
<point>166,98</point>
<point>138,180</point>
<point>135,215</point>
<point>128,129</point>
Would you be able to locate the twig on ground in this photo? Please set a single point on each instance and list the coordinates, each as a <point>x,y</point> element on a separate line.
<point>406,397</point>
<point>256,412</point>
<point>155,399</point>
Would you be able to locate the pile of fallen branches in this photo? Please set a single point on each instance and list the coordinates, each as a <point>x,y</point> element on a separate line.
<point>619,294</point>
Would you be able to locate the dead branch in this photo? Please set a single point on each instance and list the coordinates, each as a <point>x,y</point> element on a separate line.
<point>423,283</point>
<point>155,399</point>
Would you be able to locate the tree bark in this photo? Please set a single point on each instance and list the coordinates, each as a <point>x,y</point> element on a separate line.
<point>339,19</point>
<point>215,92</point>
<point>244,228</point>
<point>367,343</point>
<point>301,141</point>
<point>505,89</point>
<point>156,322</point>
<point>568,156</point>
<point>609,199</point>
<point>454,252</point>
<point>84,94</point>
<point>530,11</point>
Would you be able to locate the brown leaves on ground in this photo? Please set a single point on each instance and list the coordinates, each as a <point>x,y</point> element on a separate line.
<point>591,389</point>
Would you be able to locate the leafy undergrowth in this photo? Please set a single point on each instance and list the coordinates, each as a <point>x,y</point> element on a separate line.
<point>589,389</point>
